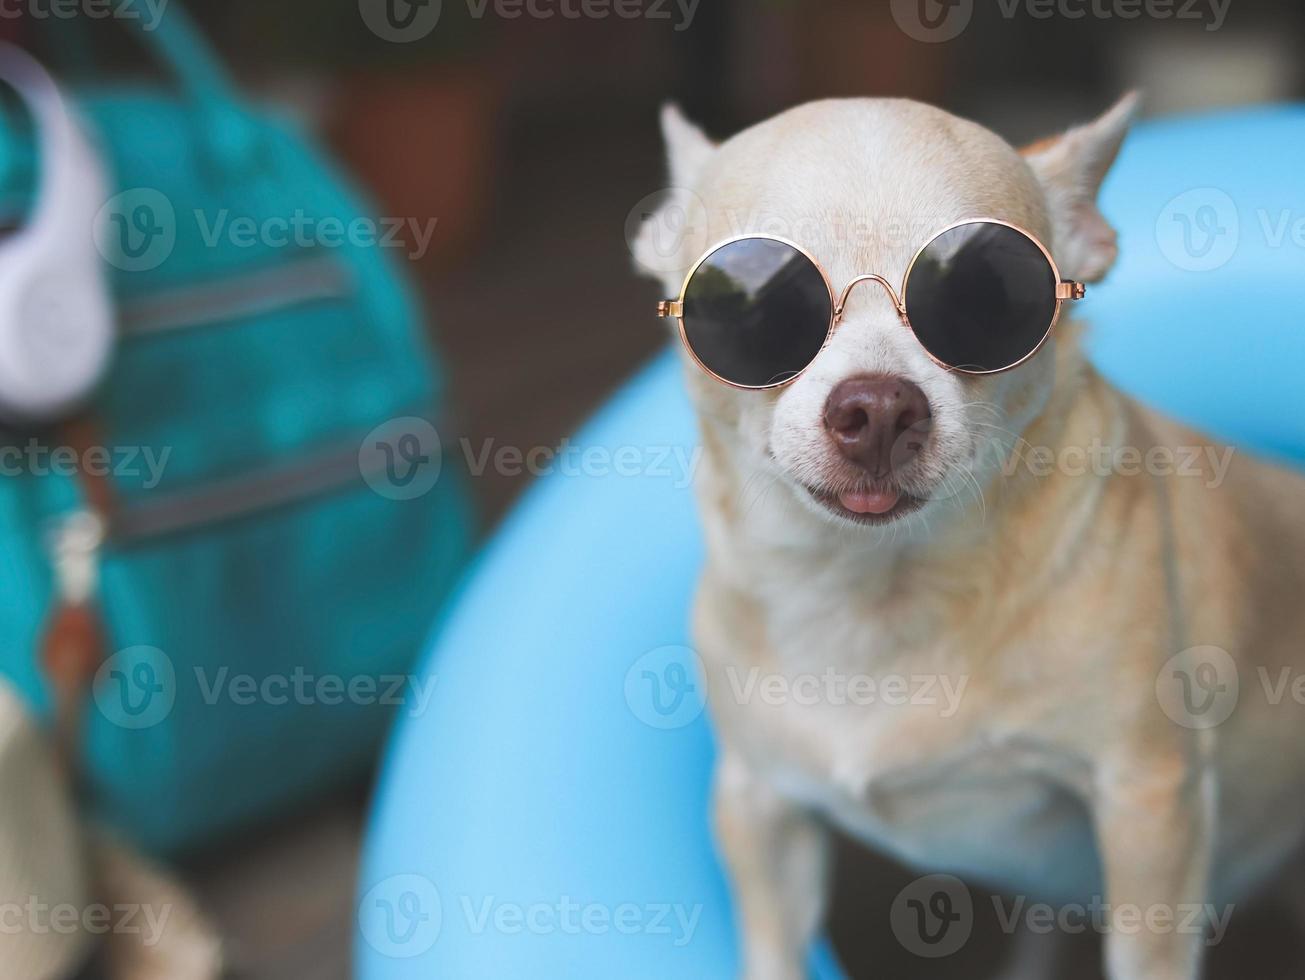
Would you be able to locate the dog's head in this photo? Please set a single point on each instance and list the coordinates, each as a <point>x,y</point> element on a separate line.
<point>874,430</point>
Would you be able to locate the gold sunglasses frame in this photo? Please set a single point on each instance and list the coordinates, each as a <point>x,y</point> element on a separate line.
<point>1066,290</point>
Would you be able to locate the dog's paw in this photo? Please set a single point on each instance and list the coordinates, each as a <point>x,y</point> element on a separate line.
<point>786,974</point>
<point>773,967</point>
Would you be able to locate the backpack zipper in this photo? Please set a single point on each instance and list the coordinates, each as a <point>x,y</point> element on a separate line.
<point>316,278</point>
<point>306,476</point>
<point>75,544</point>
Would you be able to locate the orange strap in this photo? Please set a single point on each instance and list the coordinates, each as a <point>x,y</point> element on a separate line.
<point>73,640</point>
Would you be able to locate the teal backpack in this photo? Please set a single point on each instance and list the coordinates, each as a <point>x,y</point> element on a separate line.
<point>271,532</point>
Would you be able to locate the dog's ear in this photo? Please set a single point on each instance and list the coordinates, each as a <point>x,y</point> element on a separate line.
<point>660,247</point>
<point>687,146</point>
<point>1071,169</point>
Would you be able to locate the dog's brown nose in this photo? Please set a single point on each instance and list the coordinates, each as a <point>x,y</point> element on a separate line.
<point>880,423</point>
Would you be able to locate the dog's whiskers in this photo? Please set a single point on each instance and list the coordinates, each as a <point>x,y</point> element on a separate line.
<point>759,484</point>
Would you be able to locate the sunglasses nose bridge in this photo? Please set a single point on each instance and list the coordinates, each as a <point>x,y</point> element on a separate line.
<point>869,277</point>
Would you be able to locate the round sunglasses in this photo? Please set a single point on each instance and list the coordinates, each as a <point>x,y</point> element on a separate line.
<point>981,297</point>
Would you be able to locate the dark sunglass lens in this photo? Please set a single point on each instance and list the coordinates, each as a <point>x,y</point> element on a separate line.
<point>756,312</point>
<point>981,297</point>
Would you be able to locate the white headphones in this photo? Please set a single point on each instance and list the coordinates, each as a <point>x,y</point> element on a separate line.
<point>56,315</point>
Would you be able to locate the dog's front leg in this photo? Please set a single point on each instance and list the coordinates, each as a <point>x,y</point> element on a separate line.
<point>776,853</point>
<point>1154,816</point>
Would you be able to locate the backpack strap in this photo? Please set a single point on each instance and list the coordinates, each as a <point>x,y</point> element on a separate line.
<point>223,129</point>
<point>73,643</point>
<point>171,38</point>
<point>182,49</point>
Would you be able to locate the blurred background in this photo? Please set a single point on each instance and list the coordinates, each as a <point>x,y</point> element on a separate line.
<point>532,139</point>
<point>529,140</point>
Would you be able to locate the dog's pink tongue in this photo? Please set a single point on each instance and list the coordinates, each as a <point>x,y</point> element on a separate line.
<point>869,502</point>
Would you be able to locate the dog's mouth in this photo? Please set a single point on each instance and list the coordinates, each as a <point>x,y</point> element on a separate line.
<point>867,505</point>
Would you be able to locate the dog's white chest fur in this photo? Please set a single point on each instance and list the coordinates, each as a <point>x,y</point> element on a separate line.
<point>896,760</point>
